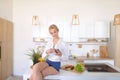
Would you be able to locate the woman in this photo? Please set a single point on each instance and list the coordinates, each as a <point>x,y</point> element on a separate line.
<point>54,51</point>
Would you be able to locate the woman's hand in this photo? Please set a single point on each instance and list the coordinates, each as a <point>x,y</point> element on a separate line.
<point>50,51</point>
<point>58,52</point>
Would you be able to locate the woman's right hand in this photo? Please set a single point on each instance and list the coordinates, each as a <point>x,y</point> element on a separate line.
<point>50,51</point>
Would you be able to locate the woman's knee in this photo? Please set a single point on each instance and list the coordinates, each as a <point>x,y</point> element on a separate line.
<point>35,67</point>
<point>49,71</point>
<point>39,65</point>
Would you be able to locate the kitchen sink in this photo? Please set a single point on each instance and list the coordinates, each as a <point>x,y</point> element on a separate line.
<point>100,67</point>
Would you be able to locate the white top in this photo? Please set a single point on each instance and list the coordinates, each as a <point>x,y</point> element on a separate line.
<point>62,46</point>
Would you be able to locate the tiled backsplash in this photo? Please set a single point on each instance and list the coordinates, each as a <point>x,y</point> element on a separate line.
<point>83,50</point>
<point>77,49</point>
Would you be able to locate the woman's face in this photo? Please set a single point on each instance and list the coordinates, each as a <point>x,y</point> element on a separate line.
<point>54,33</point>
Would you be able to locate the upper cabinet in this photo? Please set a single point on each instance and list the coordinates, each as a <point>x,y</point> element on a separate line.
<point>74,37</point>
<point>102,29</point>
<point>86,31</point>
<point>73,33</point>
<point>99,29</point>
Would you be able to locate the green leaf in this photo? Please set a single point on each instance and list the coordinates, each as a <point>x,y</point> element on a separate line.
<point>79,68</point>
<point>35,55</point>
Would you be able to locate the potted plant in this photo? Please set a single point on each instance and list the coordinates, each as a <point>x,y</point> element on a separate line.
<point>35,55</point>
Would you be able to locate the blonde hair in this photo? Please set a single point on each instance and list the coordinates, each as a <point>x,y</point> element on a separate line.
<point>53,26</point>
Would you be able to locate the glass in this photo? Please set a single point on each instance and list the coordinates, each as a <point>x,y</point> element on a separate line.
<point>94,52</point>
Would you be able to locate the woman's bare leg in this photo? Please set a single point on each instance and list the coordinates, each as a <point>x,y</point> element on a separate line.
<point>49,71</point>
<point>40,66</point>
<point>37,68</point>
<point>36,76</point>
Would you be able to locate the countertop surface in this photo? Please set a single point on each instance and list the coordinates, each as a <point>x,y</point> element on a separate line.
<point>93,58</point>
<point>68,75</point>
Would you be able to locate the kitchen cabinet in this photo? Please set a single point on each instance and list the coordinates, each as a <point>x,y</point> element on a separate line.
<point>73,33</point>
<point>89,31</point>
<point>6,40</point>
<point>114,44</point>
<point>99,29</point>
<point>0,50</point>
<point>0,70</point>
<point>86,31</point>
<point>117,46</point>
<point>74,37</point>
<point>1,28</point>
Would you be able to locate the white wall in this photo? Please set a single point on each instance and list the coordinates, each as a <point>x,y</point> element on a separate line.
<point>53,11</point>
<point>6,9</point>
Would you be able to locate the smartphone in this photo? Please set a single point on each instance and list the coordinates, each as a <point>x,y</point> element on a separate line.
<point>56,50</point>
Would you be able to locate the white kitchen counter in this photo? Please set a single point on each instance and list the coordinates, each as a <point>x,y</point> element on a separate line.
<point>67,75</point>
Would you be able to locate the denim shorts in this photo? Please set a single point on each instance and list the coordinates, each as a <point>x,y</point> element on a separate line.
<point>55,65</point>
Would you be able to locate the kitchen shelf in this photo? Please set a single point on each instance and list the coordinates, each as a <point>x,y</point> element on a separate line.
<point>93,58</point>
<point>89,43</point>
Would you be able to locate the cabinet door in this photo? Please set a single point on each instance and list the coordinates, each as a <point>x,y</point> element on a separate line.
<point>82,31</point>
<point>1,50</point>
<point>117,46</point>
<point>6,39</point>
<point>0,70</point>
<point>9,37</point>
<point>86,31</point>
<point>66,33</point>
<point>89,32</point>
<point>102,30</point>
<point>74,33</point>
<point>1,29</point>
<point>0,34</point>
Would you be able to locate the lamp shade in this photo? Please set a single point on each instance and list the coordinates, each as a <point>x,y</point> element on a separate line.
<point>36,27</point>
<point>117,19</point>
<point>75,20</point>
<point>35,20</point>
